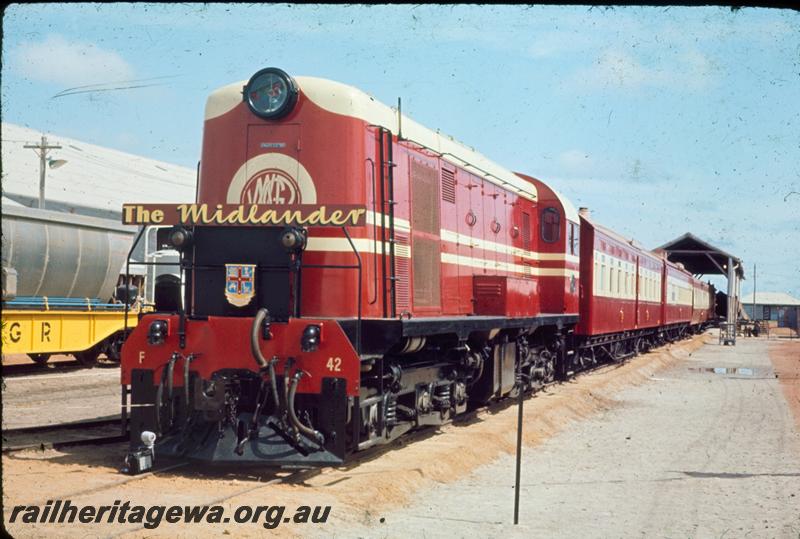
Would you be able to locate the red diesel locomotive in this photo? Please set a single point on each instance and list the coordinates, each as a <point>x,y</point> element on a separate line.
<point>456,281</point>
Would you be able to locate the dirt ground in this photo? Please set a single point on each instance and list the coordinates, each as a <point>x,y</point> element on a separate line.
<point>372,497</point>
<point>707,448</point>
<point>785,356</point>
<point>23,359</point>
<point>83,394</point>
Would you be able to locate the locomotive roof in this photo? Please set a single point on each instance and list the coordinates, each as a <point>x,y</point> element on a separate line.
<point>569,210</point>
<point>350,101</point>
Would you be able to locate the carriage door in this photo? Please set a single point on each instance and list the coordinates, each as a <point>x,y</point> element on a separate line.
<point>425,240</point>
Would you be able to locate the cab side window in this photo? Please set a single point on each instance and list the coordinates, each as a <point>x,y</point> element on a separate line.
<point>574,238</point>
<point>551,221</point>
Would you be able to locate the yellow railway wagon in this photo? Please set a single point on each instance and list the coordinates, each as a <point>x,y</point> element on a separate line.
<point>85,331</point>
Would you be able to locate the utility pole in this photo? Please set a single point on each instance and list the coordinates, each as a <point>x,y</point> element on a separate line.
<point>41,150</point>
<point>754,292</point>
<point>520,400</point>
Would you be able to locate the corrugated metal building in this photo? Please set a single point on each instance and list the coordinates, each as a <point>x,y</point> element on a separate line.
<point>774,306</point>
<point>94,181</point>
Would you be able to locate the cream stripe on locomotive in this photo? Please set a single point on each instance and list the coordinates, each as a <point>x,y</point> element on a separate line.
<point>678,292</point>
<point>402,225</point>
<point>455,237</point>
<point>366,245</point>
<point>482,263</point>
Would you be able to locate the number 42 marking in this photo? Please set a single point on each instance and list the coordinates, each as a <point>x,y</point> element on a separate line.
<point>334,364</point>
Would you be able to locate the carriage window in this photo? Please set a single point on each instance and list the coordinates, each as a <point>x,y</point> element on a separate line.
<point>596,271</point>
<point>574,238</point>
<point>570,237</point>
<point>551,222</point>
<point>603,273</point>
<point>612,285</point>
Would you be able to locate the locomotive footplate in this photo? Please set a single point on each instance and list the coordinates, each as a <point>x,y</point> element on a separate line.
<point>208,429</point>
<point>271,446</point>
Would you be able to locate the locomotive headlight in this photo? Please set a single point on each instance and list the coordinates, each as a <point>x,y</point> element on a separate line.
<point>270,93</point>
<point>309,342</point>
<point>180,238</point>
<point>293,239</point>
<point>158,332</point>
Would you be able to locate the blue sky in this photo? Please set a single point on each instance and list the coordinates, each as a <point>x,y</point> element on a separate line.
<point>661,120</point>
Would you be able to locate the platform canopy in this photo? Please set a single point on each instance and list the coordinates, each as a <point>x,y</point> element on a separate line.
<point>700,257</point>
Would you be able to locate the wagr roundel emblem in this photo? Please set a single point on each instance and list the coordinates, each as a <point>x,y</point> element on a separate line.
<point>272,178</point>
<point>240,283</point>
<point>270,186</point>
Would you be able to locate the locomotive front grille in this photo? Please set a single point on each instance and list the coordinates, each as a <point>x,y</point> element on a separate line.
<point>213,247</point>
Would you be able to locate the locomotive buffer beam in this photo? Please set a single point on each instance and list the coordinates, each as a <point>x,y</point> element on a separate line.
<point>212,432</point>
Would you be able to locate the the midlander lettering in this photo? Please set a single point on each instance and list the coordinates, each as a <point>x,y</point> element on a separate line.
<point>244,214</point>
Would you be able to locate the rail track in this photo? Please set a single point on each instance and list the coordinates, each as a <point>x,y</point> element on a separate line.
<point>25,369</point>
<point>109,430</point>
<point>63,435</point>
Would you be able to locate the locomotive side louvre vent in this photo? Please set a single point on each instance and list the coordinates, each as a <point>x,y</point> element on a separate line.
<point>448,186</point>
<point>425,242</point>
<point>488,290</point>
<point>426,271</point>
<point>526,231</point>
<point>424,198</point>
<point>401,270</point>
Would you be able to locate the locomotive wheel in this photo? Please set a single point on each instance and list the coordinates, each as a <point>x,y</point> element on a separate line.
<point>88,358</point>
<point>40,359</point>
<point>549,367</point>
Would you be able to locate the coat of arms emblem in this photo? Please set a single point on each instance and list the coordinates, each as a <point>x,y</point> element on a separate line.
<point>240,284</point>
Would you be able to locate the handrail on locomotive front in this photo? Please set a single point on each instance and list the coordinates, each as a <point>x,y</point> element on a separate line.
<point>185,264</point>
<point>143,263</point>
<point>128,275</point>
<point>357,267</point>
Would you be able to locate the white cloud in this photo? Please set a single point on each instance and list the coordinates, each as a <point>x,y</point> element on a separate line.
<point>556,43</point>
<point>70,63</point>
<point>689,69</point>
<point>618,68</point>
<point>575,162</point>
